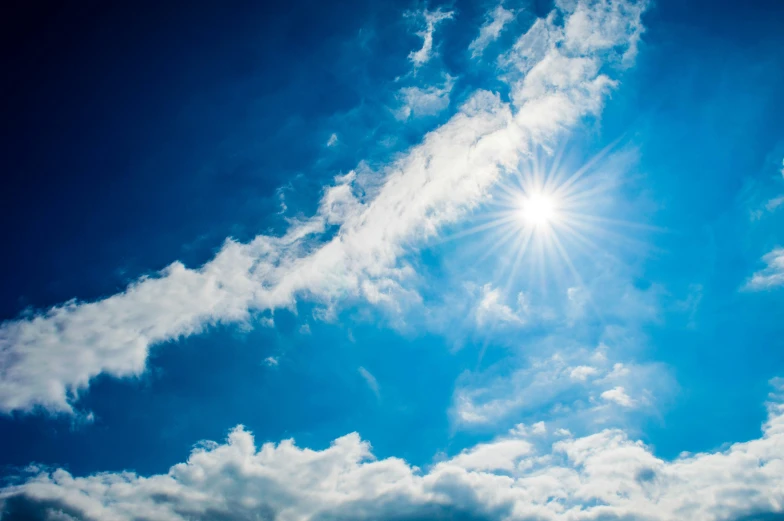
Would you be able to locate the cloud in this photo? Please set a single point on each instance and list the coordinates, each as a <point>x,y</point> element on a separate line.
<point>606,475</point>
<point>774,203</point>
<point>353,247</point>
<point>492,311</point>
<point>370,380</point>
<point>333,140</point>
<point>424,101</point>
<point>574,386</point>
<point>583,372</point>
<point>772,275</point>
<point>618,395</point>
<point>494,23</point>
<point>432,19</point>
<point>271,361</point>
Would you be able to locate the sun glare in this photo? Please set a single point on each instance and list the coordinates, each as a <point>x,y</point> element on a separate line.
<point>547,212</point>
<point>537,209</point>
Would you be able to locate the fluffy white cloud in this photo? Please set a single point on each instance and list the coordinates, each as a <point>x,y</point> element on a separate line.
<point>431,19</point>
<point>378,217</point>
<point>605,475</point>
<point>618,395</point>
<point>494,23</point>
<point>772,275</point>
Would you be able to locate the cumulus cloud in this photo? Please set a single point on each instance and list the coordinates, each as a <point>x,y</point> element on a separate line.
<point>619,396</point>
<point>494,23</point>
<point>354,246</point>
<point>424,101</point>
<point>606,475</point>
<point>772,275</point>
<point>431,19</point>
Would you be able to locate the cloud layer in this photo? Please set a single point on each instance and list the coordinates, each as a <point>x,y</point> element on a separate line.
<point>355,245</point>
<point>530,474</point>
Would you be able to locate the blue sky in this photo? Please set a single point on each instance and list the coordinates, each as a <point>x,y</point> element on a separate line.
<point>516,260</point>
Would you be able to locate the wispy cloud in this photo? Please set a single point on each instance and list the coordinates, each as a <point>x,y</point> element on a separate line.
<point>527,474</point>
<point>370,380</point>
<point>380,216</point>
<point>431,20</point>
<point>772,275</point>
<point>573,386</point>
<point>494,23</point>
<point>493,311</point>
<point>424,101</point>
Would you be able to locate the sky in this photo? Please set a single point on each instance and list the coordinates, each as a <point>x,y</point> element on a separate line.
<point>517,260</point>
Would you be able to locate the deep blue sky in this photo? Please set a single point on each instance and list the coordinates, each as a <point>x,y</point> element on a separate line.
<point>134,137</point>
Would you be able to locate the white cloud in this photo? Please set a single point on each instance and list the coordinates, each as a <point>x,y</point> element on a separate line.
<point>565,387</point>
<point>605,475</point>
<point>333,140</point>
<point>381,216</point>
<point>618,395</point>
<point>370,380</point>
<point>772,275</point>
<point>432,19</point>
<point>499,455</point>
<point>424,101</point>
<point>492,311</point>
<point>583,372</point>
<point>774,203</point>
<point>271,361</point>
<point>494,23</point>
<point>267,322</point>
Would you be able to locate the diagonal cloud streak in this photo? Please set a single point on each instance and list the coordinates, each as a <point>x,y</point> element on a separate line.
<point>556,74</point>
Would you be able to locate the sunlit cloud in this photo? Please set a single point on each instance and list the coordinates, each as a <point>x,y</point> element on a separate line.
<point>533,472</point>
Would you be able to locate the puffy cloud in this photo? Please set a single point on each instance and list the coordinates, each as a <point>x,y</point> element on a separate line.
<point>352,247</point>
<point>432,19</point>
<point>605,475</point>
<point>494,23</point>
<point>618,395</point>
<point>772,275</point>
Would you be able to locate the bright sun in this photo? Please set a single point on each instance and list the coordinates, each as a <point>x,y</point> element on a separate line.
<point>537,209</point>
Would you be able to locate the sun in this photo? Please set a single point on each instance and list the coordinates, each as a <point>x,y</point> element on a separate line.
<point>537,209</point>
